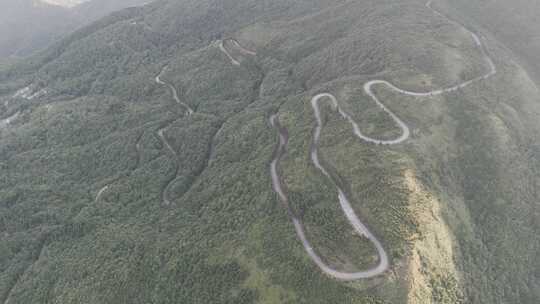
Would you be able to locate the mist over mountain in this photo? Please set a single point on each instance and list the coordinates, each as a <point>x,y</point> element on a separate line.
<point>30,25</point>
<point>65,3</point>
<point>285,151</point>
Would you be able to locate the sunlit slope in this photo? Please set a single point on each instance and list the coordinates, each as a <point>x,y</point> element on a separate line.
<point>112,192</point>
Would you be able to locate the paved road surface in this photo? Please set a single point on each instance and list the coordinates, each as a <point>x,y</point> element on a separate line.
<point>356,223</point>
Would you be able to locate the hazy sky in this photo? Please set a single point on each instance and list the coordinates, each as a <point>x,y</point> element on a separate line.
<point>67,3</point>
<point>26,26</point>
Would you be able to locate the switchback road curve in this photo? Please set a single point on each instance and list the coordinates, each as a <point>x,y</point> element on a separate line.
<point>356,223</point>
<point>162,136</point>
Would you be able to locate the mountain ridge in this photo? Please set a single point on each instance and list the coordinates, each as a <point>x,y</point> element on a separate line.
<point>112,194</point>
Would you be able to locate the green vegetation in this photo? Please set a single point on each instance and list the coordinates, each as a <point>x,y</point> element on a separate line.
<point>454,206</point>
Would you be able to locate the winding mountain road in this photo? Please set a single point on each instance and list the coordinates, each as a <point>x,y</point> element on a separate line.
<point>238,46</point>
<point>173,91</point>
<point>161,131</point>
<point>358,226</point>
<point>6,122</point>
<point>224,50</point>
<point>164,140</point>
<point>100,193</point>
<point>242,49</point>
<point>345,204</point>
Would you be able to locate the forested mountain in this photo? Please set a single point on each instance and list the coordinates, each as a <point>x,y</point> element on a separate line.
<point>285,151</point>
<point>30,25</point>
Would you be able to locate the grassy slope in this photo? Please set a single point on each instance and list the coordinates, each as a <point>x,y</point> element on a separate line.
<point>225,238</point>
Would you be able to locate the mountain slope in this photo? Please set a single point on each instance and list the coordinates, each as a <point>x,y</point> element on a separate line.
<point>113,191</point>
<point>27,26</point>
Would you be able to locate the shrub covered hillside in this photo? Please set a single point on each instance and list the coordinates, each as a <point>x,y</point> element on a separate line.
<point>135,157</point>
